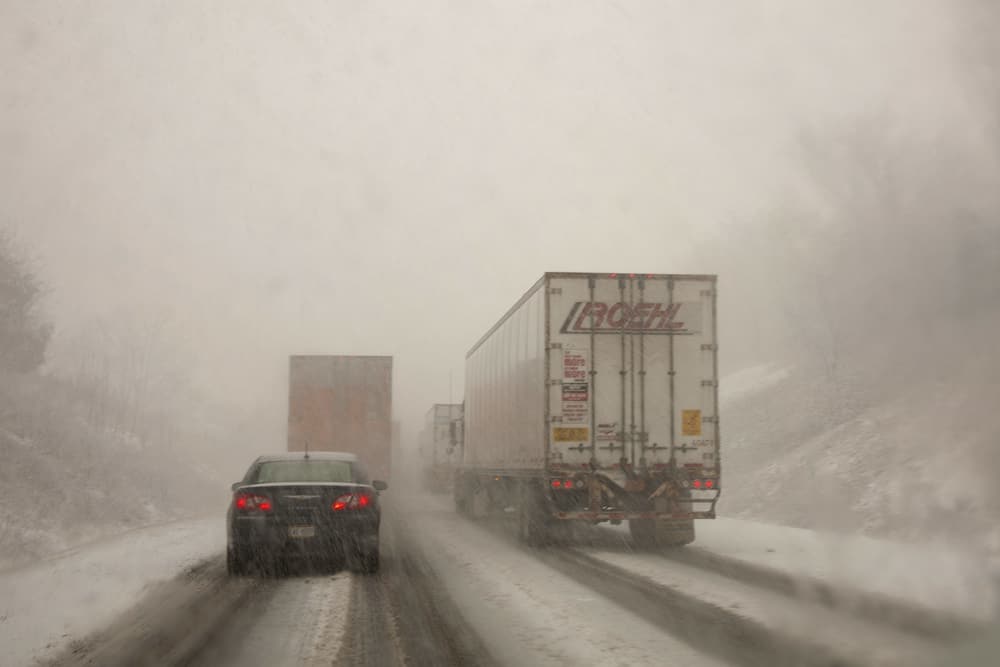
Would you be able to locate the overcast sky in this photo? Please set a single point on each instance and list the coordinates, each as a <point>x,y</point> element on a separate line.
<point>364,177</point>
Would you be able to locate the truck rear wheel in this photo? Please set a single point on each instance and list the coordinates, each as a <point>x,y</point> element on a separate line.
<point>652,533</point>
<point>533,525</point>
<point>462,494</point>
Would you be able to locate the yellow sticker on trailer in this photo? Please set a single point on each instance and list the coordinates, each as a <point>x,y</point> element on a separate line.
<point>691,422</point>
<point>570,434</point>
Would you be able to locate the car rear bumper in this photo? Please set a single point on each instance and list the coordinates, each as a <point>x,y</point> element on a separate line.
<point>257,535</point>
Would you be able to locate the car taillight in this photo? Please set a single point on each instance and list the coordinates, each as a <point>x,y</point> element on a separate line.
<point>250,502</point>
<point>351,501</point>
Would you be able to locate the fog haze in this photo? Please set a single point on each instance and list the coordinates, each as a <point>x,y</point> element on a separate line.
<point>259,179</point>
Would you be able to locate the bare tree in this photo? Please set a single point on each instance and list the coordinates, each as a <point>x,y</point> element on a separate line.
<point>24,335</point>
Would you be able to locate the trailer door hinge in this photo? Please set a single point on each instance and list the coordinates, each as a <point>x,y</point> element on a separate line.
<point>709,383</point>
<point>555,290</point>
<point>555,383</point>
<point>555,346</point>
<point>709,420</point>
<point>709,346</point>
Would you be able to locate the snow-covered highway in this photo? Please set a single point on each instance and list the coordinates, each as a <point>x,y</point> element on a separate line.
<point>456,592</point>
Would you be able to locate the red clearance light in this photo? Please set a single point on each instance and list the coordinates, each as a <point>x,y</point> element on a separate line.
<point>631,275</point>
<point>649,275</point>
<point>556,483</point>
<point>709,483</point>
<point>696,483</point>
<point>568,484</point>
<point>612,275</point>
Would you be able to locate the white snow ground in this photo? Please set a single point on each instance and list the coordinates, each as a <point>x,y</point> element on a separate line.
<point>529,614</point>
<point>527,608</point>
<point>47,605</point>
<point>935,576</point>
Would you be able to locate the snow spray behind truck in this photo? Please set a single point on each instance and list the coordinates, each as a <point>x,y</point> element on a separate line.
<point>595,398</point>
<point>342,404</point>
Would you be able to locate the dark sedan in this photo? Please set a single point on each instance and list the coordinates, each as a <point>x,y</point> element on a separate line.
<point>318,507</point>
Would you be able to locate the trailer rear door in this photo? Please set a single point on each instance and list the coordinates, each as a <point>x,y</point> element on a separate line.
<point>633,372</point>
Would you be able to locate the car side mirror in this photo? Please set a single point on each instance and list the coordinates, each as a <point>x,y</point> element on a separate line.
<point>379,485</point>
<point>236,485</point>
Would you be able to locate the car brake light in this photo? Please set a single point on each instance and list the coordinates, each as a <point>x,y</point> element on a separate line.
<point>351,501</point>
<point>249,502</point>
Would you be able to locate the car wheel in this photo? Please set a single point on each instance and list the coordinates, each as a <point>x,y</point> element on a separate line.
<point>366,561</point>
<point>236,563</point>
<point>370,563</point>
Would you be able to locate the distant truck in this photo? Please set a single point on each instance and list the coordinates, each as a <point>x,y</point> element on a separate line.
<point>343,404</point>
<point>595,398</point>
<point>440,445</point>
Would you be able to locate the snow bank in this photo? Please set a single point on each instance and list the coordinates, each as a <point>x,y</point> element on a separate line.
<point>45,606</point>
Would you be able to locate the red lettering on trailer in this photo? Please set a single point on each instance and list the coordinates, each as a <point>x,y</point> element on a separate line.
<point>639,316</point>
<point>663,317</point>
<point>619,315</point>
<point>653,318</point>
<point>597,309</point>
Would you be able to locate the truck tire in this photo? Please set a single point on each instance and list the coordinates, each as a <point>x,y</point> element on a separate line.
<point>461,495</point>
<point>532,523</point>
<point>653,533</point>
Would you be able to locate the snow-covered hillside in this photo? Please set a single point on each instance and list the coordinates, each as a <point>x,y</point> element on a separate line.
<point>847,454</point>
<point>65,481</point>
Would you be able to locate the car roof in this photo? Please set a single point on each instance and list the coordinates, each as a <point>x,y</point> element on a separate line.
<point>313,456</point>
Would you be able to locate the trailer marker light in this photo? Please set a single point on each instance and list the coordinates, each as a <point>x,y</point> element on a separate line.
<point>709,483</point>
<point>696,483</point>
<point>568,484</point>
<point>612,275</point>
<point>556,483</point>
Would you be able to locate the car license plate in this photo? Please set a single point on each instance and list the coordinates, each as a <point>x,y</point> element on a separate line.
<point>302,531</point>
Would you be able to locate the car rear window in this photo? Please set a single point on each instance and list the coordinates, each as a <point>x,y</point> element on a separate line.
<point>303,471</point>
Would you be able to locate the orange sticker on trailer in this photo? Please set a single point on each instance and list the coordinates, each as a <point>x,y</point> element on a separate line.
<point>570,434</point>
<point>691,422</point>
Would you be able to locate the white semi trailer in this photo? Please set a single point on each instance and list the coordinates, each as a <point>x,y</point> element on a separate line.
<point>595,398</point>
